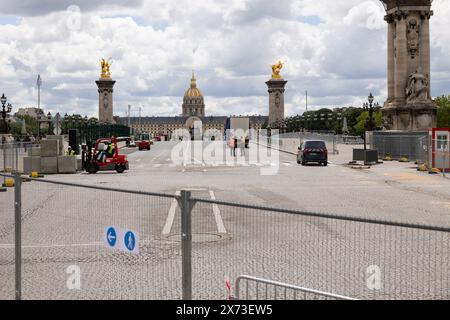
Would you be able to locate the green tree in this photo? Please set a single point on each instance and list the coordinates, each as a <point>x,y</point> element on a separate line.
<point>31,125</point>
<point>358,128</point>
<point>443,112</point>
<point>352,114</point>
<point>16,129</point>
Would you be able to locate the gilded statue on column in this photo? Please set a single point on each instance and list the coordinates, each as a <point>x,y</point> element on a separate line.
<point>106,65</point>
<point>276,69</point>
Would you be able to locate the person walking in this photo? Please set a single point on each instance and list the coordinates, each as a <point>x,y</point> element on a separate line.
<point>231,143</point>
<point>242,146</point>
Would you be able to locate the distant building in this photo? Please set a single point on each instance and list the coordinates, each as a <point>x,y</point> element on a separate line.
<point>193,114</point>
<point>32,112</point>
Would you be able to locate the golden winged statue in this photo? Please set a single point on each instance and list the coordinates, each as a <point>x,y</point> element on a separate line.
<point>106,65</point>
<point>276,69</point>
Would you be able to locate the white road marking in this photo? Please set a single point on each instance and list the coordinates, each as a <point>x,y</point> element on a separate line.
<point>185,155</point>
<point>93,244</point>
<point>217,216</point>
<point>286,164</point>
<point>171,215</point>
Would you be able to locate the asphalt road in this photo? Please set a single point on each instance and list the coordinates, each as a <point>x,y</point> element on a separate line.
<point>65,226</point>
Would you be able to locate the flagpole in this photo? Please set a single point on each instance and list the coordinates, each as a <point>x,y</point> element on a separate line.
<point>306,101</point>
<point>39,83</point>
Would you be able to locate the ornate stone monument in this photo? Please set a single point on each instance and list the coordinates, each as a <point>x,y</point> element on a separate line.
<point>105,90</point>
<point>409,106</point>
<point>276,87</point>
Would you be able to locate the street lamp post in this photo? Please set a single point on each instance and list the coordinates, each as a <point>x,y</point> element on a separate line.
<point>369,125</point>
<point>4,127</point>
<point>49,120</point>
<point>42,119</point>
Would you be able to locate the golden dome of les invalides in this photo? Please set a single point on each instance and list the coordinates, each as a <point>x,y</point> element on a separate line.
<point>193,100</point>
<point>193,91</point>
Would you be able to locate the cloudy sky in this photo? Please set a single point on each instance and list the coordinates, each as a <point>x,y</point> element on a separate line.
<point>334,49</point>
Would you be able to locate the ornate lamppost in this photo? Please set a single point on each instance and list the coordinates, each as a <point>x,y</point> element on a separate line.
<point>4,125</point>
<point>370,122</point>
<point>47,119</point>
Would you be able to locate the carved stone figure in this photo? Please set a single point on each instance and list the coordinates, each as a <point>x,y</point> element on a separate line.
<point>277,100</point>
<point>417,89</point>
<point>105,100</point>
<point>413,38</point>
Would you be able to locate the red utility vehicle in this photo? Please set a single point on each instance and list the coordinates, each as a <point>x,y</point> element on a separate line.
<point>115,162</point>
<point>144,145</point>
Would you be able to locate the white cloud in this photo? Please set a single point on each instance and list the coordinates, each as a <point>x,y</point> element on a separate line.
<point>231,44</point>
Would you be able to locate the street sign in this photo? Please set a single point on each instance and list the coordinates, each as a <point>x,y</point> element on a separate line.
<point>111,237</point>
<point>130,241</point>
<point>122,239</point>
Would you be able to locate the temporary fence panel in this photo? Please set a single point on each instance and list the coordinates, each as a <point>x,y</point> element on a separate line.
<point>350,257</point>
<point>414,146</point>
<point>66,253</point>
<point>12,155</point>
<point>440,151</point>
<point>7,239</point>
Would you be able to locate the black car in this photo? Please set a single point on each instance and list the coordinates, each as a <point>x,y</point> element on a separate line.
<point>313,151</point>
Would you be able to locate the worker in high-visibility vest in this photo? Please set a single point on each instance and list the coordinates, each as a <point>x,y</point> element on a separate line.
<point>70,152</point>
<point>111,149</point>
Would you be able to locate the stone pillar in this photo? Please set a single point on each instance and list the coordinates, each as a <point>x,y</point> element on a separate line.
<point>105,101</point>
<point>276,99</point>
<point>425,45</point>
<point>401,53</point>
<point>409,106</point>
<point>391,59</point>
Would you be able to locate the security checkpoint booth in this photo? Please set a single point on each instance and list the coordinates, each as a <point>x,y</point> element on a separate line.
<point>439,151</point>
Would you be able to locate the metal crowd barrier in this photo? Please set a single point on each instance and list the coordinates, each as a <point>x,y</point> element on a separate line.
<point>262,289</point>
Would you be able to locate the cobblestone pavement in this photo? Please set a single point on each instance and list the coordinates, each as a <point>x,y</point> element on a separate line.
<point>64,226</point>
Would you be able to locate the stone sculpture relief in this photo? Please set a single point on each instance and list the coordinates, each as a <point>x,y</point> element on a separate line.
<point>417,89</point>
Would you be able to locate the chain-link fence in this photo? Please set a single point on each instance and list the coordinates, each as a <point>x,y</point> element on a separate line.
<point>53,233</point>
